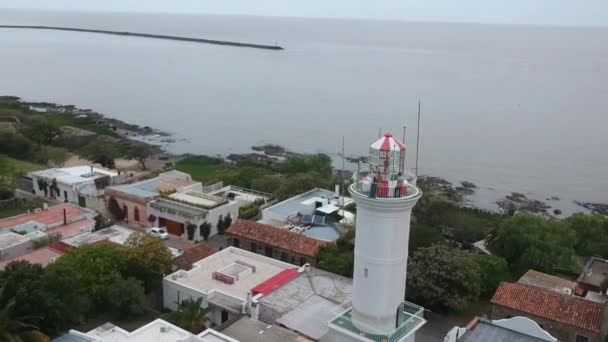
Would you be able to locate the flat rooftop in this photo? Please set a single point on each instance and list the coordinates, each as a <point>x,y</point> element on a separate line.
<point>248,329</point>
<point>484,331</point>
<point>10,239</point>
<point>232,261</point>
<point>155,331</point>
<point>295,204</point>
<point>308,302</point>
<point>547,281</point>
<point>75,174</point>
<point>594,272</point>
<point>166,181</point>
<point>42,256</point>
<point>51,216</point>
<point>199,199</point>
<point>115,234</point>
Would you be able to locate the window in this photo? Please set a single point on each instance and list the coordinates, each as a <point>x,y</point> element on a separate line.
<point>125,211</point>
<point>65,195</point>
<point>136,213</point>
<point>302,261</point>
<point>365,272</point>
<point>254,247</point>
<point>224,316</point>
<point>268,251</point>
<point>283,256</point>
<point>236,243</point>
<point>580,338</point>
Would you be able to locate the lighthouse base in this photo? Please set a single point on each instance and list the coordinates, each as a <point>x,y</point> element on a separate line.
<point>344,328</point>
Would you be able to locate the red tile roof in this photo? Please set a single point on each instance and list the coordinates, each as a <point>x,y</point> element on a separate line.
<point>42,256</point>
<point>275,281</point>
<point>50,216</point>
<point>580,313</point>
<point>276,237</point>
<point>191,255</point>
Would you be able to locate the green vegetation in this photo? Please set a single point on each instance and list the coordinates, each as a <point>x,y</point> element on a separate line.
<point>86,123</point>
<point>86,283</point>
<point>443,278</point>
<point>338,257</point>
<point>492,271</point>
<point>295,175</point>
<point>189,315</point>
<point>591,233</point>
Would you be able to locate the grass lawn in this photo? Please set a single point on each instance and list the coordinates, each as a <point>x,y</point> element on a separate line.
<point>21,166</point>
<point>9,212</point>
<point>200,168</point>
<point>61,119</point>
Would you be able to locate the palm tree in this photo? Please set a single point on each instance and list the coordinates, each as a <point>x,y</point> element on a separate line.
<point>13,330</point>
<point>189,315</point>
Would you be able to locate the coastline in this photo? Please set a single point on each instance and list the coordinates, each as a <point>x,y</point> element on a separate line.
<point>272,154</point>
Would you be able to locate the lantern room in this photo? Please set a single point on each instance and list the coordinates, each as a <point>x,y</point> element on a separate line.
<point>387,158</point>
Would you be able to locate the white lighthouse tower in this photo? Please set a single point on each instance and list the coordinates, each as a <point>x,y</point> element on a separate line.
<point>385,194</point>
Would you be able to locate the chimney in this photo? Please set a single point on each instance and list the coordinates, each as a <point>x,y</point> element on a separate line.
<point>65,217</point>
<point>45,206</point>
<point>337,191</point>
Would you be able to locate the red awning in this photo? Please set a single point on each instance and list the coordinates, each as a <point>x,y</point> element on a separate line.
<point>275,281</point>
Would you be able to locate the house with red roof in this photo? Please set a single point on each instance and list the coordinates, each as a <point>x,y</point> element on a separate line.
<point>274,242</point>
<point>567,317</point>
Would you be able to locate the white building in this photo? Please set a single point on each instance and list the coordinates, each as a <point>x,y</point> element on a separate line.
<point>518,328</point>
<point>181,210</point>
<point>80,185</point>
<point>385,194</point>
<point>226,281</point>
<point>317,213</point>
<point>157,330</point>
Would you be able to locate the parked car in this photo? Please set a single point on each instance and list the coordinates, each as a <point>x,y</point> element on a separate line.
<point>159,233</point>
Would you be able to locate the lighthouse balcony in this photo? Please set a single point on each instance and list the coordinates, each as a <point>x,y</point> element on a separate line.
<point>367,184</point>
<point>409,319</point>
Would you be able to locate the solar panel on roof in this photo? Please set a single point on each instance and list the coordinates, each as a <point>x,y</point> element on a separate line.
<point>318,219</point>
<point>307,219</point>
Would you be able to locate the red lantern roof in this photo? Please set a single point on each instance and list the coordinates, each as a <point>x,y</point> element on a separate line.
<point>388,143</point>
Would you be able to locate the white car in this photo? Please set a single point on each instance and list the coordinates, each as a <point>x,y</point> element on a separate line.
<point>159,233</point>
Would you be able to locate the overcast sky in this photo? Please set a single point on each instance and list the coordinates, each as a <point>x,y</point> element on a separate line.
<point>537,12</point>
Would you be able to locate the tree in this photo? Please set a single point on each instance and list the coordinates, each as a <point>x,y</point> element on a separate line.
<point>336,260</point>
<point>443,278</point>
<point>205,230</point>
<point>115,209</point>
<point>591,233</point>
<point>102,150</point>
<point>56,155</point>
<point>423,235</point>
<point>140,152</point>
<point>318,163</point>
<point>14,330</point>
<point>221,225</point>
<point>148,259</point>
<point>41,131</point>
<point>8,181</point>
<point>189,315</point>
<point>533,242</point>
<point>15,145</point>
<point>299,183</point>
<point>97,268</point>
<point>126,297</point>
<point>492,271</point>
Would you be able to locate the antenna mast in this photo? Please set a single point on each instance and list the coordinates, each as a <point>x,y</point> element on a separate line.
<point>418,139</point>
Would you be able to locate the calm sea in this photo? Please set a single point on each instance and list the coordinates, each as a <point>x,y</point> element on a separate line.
<point>508,108</point>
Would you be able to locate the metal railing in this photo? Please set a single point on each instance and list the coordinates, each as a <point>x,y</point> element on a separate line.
<point>409,319</point>
<point>365,184</point>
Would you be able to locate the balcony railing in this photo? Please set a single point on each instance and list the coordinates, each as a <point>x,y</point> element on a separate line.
<point>364,184</point>
<point>410,319</point>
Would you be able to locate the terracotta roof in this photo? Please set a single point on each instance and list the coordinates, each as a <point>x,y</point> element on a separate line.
<point>50,216</point>
<point>191,255</point>
<point>550,305</point>
<point>42,256</point>
<point>276,237</point>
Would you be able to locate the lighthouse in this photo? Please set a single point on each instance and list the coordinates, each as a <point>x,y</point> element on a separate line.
<point>385,193</point>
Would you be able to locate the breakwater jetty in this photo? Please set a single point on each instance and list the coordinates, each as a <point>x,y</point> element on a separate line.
<point>147,35</point>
